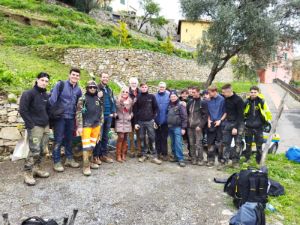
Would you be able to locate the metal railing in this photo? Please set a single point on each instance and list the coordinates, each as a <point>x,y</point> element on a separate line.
<point>294,92</point>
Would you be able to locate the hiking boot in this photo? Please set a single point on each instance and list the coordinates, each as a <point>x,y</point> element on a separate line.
<point>165,158</point>
<point>181,164</point>
<point>210,164</point>
<point>106,159</point>
<point>172,159</point>
<point>156,161</point>
<point>97,161</point>
<point>142,159</point>
<point>29,179</point>
<point>86,170</point>
<point>58,167</point>
<point>200,163</point>
<point>194,161</point>
<point>71,163</point>
<point>94,166</point>
<point>38,172</point>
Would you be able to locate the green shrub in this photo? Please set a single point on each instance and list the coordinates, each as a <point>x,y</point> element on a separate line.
<point>106,32</point>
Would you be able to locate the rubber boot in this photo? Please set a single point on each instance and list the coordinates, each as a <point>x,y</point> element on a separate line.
<point>86,164</point>
<point>124,150</point>
<point>119,150</point>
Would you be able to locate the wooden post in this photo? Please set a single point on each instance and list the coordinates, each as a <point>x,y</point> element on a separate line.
<point>274,125</point>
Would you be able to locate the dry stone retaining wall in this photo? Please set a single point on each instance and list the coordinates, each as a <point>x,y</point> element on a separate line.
<point>145,65</point>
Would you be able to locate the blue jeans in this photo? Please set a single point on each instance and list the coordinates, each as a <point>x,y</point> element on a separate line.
<point>176,142</point>
<point>63,133</point>
<point>101,147</point>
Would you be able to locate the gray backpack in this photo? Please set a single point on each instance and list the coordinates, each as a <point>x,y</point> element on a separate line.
<point>250,213</point>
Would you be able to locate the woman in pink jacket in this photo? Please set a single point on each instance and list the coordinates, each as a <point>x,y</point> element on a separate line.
<point>123,123</point>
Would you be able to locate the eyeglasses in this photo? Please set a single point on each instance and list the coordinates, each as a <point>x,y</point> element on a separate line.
<point>92,87</point>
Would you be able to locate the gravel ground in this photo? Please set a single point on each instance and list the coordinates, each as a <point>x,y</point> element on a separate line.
<point>129,193</point>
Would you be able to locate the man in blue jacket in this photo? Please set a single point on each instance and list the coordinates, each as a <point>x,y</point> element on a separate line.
<point>109,107</point>
<point>161,133</point>
<point>64,126</point>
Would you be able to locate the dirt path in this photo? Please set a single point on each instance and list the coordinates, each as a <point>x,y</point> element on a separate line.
<point>130,193</point>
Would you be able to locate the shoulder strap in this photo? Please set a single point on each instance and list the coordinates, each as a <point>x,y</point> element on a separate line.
<point>60,88</point>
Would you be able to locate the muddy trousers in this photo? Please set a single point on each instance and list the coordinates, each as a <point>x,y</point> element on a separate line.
<point>254,135</point>
<point>38,140</point>
<point>133,148</point>
<point>147,129</point>
<point>196,145</point>
<point>232,152</point>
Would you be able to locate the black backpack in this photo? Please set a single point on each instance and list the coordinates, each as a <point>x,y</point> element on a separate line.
<point>249,185</point>
<point>57,110</point>
<point>38,221</point>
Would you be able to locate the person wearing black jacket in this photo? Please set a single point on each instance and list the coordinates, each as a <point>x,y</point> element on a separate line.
<point>145,110</point>
<point>233,126</point>
<point>197,119</point>
<point>33,110</point>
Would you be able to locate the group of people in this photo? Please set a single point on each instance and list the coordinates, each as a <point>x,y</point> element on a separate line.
<point>140,119</point>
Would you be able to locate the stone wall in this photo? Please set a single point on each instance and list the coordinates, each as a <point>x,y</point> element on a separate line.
<point>145,65</point>
<point>10,120</point>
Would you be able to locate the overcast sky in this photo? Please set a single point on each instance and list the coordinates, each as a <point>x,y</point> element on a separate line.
<point>170,9</point>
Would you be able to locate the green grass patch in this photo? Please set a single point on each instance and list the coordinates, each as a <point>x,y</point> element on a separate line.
<point>238,87</point>
<point>20,65</point>
<point>287,173</point>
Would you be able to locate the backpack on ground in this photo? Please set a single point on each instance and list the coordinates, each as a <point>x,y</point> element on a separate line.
<point>276,189</point>
<point>249,185</point>
<point>38,221</point>
<point>250,213</point>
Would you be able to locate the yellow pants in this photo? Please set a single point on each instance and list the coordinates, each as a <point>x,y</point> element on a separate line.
<point>89,137</point>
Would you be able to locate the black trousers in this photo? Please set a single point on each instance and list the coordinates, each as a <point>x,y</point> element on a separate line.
<point>161,139</point>
<point>254,135</point>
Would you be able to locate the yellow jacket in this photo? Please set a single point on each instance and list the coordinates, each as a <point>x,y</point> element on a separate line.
<point>263,108</point>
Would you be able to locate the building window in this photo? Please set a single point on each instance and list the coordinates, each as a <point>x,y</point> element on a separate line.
<point>273,69</point>
<point>186,30</point>
<point>285,56</point>
<point>122,2</point>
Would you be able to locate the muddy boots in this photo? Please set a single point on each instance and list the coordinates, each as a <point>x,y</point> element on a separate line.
<point>28,178</point>
<point>86,164</point>
<point>36,172</point>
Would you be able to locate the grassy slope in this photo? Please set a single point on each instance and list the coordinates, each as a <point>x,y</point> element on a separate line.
<point>286,173</point>
<point>20,65</point>
<point>65,27</point>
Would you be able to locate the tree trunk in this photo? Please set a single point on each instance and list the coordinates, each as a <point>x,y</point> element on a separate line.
<point>214,70</point>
